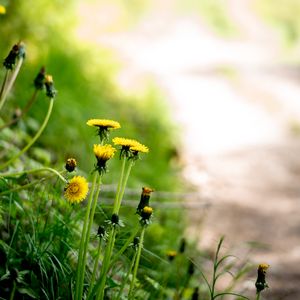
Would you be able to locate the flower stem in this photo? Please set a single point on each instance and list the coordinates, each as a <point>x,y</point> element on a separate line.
<point>4,83</point>
<point>115,210</point>
<point>33,140</point>
<point>258,296</point>
<point>136,265</point>
<point>87,236</point>
<point>10,82</point>
<point>23,113</point>
<point>12,294</point>
<point>92,281</point>
<point>124,281</point>
<point>82,240</point>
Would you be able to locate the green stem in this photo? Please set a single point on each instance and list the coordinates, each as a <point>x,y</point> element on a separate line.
<point>4,83</point>
<point>12,295</point>
<point>115,211</point>
<point>258,296</point>
<point>10,82</point>
<point>124,186</point>
<point>124,281</point>
<point>106,264</point>
<point>82,240</point>
<point>137,262</point>
<point>96,263</point>
<point>24,112</point>
<point>87,236</point>
<point>33,140</point>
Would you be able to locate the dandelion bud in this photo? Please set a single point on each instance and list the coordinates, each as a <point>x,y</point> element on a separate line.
<point>101,231</point>
<point>17,51</point>
<point>49,84</point>
<point>40,79</point>
<point>191,269</point>
<point>71,164</point>
<point>171,254</point>
<point>182,245</point>
<point>195,295</point>
<point>115,219</point>
<point>146,212</point>
<point>261,283</point>
<point>145,197</point>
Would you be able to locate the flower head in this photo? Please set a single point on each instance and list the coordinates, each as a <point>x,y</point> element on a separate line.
<point>103,126</point>
<point>261,283</point>
<point>130,148</point>
<point>40,79</point>
<point>2,10</point>
<point>145,197</point>
<point>103,153</point>
<point>76,190</point>
<point>17,52</point>
<point>49,84</point>
<point>70,164</point>
<point>146,214</point>
<point>171,254</point>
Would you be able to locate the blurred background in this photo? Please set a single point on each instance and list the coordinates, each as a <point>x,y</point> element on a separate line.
<point>211,86</point>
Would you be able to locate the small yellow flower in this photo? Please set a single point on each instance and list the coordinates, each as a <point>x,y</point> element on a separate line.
<point>107,124</point>
<point>263,267</point>
<point>145,197</point>
<point>103,153</point>
<point>171,254</point>
<point>103,126</point>
<point>146,214</point>
<point>130,148</point>
<point>2,10</point>
<point>76,190</point>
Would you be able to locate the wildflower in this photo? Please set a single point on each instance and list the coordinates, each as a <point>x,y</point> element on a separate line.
<point>145,197</point>
<point>101,232</point>
<point>146,214</point>
<point>40,79</point>
<point>103,153</point>
<point>261,283</point>
<point>115,221</point>
<point>17,52</point>
<point>171,254</point>
<point>103,126</point>
<point>130,148</point>
<point>71,164</point>
<point>2,10</point>
<point>76,190</point>
<point>182,245</point>
<point>49,84</point>
<point>191,269</point>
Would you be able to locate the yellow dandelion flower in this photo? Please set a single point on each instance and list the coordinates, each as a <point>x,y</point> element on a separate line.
<point>2,10</point>
<point>108,124</point>
<point>103,153</point>
<point>130,148</point>
<point>76,190</point>
<point>103,126</point>
<point>171,254</point>
<point>263,267</point>
<point>146,214</point>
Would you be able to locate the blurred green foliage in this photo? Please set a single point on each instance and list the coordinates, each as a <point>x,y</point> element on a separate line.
<point>83,77</point>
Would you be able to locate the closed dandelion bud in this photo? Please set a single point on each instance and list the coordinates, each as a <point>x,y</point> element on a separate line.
<point>195,295</point>
<point>146,212</point>
<point>49,85</point>
<point>145,197</point>
<point>171,254</point>
<point>182,245</point>
<point>70,164</point>
<point>261,283</point>
<point>136,242</point>
<point>115,219</point>
<point>101,231</point>
<point>17,51</point>
<point>40,79</point>
<point>191,269</point>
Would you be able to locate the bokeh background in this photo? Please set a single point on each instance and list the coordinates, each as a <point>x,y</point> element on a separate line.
<point>211,86</point>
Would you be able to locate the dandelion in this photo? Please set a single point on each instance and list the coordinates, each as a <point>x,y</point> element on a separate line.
<point>145,197</point>
<point>2,10</point>
<point>40,79</point>
<point>130,148</point>
<point>76,190</point>
<point>49,85</point>
<point>261,283</point>
<point>103,126</point>
<point>70,164</point>
<point>103,153</point>
<point>171,254</point>
<point>17,52</point>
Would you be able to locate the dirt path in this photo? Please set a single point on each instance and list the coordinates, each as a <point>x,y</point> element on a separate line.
<point>236,105</point>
